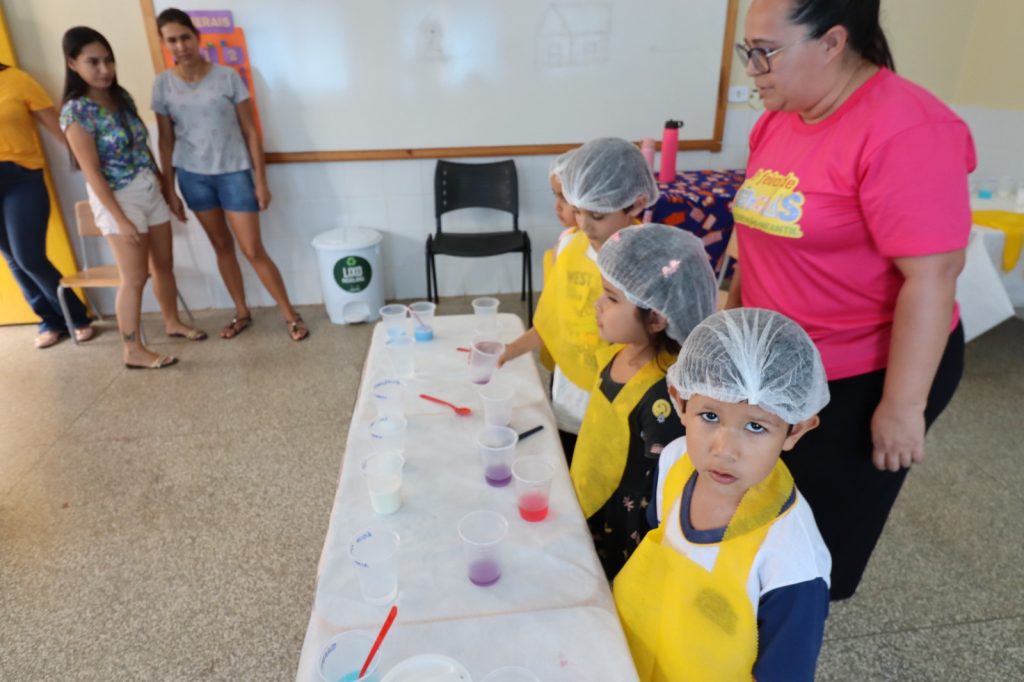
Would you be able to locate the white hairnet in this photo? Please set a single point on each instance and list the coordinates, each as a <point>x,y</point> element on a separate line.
<point>606,175</point>
<point>558,165</point>
<point>662,268</point>
<point>753,355</point>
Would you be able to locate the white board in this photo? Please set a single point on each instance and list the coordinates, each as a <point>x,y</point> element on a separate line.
<point>337,75</point>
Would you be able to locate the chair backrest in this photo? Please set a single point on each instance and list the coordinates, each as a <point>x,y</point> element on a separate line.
<point>476,185</point>
<point>85,220</point>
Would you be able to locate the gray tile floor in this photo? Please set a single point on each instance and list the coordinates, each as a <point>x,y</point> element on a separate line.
<point>167,525</point>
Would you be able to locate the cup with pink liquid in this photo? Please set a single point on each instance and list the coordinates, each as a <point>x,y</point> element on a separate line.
<point>533,486</point>
<point>483,358</point>
<point>482,532</point>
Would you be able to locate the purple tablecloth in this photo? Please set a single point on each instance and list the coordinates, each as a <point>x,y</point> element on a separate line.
<point>701,202</point>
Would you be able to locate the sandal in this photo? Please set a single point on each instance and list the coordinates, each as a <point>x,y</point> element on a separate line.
<point>159,363</point>
<point>297,329</point>
<point>47,339</point>
<point>236,327</point>
<point>191,335</point>
<point>83,334</point>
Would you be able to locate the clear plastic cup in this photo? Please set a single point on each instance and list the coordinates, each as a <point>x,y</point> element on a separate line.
<point>485,311</point>
<point>533,487</point>
<point>422,313</point>
<point>482,532</point>
<point>375,555</point>
<point>483,359</point>
<point>387,434</point>
<point>497,445</point>
<point>344,655</point>
<point>389,396</point>
<point>497,403</point>
<point>384,478</point>
<point>511,674</point>
<point>393,318</point>
<point>400,352</point>
<point>987,188</point>
<point>1006,187</point>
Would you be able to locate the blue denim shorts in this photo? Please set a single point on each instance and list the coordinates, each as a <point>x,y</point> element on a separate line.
<point>228,191</point>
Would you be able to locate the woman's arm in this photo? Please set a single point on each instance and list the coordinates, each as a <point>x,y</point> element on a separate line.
<point>734,300</point>
<point>48,119</point>
<point>247,121</point>
<point>165,144</point>
<point>920,332</point>
<point>83,146</point>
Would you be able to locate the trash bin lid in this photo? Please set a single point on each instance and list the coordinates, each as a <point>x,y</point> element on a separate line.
<point>347,238</point>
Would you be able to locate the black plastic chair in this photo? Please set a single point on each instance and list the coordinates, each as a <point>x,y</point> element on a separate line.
<point>478,185</point>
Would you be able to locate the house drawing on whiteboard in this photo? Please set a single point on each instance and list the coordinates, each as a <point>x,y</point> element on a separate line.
<point>574,34</point>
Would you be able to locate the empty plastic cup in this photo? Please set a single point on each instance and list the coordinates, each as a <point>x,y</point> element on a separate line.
<point>393,318</point>
<point>482,532</point>
<point>344,656</point>
<point>497,404</point>
<point>511,674</point>
<point>400,352</point>
<point>375,555</point>
<point>497,446</point>
<point>384,478</point>
<point>387,434</point>
<point>422,313</point>
<point>533,486</point>
<point>389,397</point>
<point>485,311</point>
<point>483,359</point>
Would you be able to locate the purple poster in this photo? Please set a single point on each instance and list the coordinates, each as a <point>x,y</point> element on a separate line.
<point>213,21</point>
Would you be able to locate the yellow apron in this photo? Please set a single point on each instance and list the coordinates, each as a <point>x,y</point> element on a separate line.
<point>681,621</point>
<point>602,449</point>
<point>1010,224</point>
<point>565,317</point>
<point>545,354</point>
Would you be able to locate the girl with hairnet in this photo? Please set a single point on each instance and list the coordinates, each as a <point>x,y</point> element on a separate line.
<point>734,582</point>
<point>657,285</point>
<point>608,184</point>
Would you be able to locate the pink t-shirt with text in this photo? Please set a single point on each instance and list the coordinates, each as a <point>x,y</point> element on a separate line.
<point>827,206</point>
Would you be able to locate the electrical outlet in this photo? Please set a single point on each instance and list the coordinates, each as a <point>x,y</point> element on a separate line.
<point>755,100</point>
<point>738,94</point>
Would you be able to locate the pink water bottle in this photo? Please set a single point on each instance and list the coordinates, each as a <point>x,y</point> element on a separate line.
<point>647,149</point>
<point>669,148</point>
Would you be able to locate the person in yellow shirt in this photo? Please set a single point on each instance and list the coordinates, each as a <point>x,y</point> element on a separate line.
<point>608,184</point>
<point>657,285</point>
<point>25,206</point>
<point>733,584</point>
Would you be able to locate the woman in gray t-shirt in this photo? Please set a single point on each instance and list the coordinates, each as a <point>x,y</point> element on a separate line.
<point>209,141</point>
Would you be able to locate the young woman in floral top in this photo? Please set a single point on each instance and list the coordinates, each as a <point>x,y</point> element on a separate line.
<point>108,141</point>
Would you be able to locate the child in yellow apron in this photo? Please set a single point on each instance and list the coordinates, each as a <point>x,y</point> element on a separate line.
<point>567,219</point>
<point>657,285</point>
<point>608,183</point>
<point>733,583</point>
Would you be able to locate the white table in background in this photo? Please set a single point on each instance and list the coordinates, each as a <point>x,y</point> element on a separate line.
<point>552,609</point>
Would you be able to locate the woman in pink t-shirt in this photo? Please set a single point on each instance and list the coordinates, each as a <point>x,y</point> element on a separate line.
<point>853,221</point>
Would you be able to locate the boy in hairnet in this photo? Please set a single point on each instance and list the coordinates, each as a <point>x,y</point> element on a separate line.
<point>657,285</point>
<point>608,184</point>
<point>733,583</point>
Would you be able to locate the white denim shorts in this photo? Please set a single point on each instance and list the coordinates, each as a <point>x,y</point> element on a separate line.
<point>141,200</point>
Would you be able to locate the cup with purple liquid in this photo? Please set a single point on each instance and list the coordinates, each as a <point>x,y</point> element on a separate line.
<point>483,358</point>
<point>482,532</point>
<point>497,445</point>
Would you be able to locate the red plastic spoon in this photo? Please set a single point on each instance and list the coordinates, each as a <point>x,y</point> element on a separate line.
<point>461,411</point>
<point>380,638</point>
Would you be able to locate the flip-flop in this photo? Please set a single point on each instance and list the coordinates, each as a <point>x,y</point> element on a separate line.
<point>159,363</point>
<point>191,335</point>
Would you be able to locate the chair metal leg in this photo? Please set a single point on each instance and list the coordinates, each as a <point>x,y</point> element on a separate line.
<point>430,296</point>
<point>529,288</point>
<point>433,274</point>
<point>522,293</point>
<point>67,313</point>
<point>188,312</point>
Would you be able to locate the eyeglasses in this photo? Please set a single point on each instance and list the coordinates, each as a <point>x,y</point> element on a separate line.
<point>759,57</point>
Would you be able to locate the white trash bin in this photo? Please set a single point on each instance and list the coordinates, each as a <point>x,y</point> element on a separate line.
<point>351,275</point>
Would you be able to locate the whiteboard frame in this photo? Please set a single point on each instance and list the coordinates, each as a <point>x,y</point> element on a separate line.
<point>714,144</point>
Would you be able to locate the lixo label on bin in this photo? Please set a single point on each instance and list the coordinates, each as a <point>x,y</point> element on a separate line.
<point>353,274</point>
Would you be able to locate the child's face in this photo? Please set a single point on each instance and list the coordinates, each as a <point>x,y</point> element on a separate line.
<point>600,226</point>
<point>734,446</point>
<point>617,318</point>
<point>564,211</point>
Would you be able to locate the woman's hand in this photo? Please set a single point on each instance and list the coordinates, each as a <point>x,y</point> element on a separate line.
<point>128,230</point>
<point>175,204</point>
<point>262,195</point>
<point>897,432</point>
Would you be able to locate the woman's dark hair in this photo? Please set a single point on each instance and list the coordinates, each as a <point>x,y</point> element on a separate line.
<point>661,342</point>
<point>74,41</point>
<point>858,17</point>
<point>175,16</point>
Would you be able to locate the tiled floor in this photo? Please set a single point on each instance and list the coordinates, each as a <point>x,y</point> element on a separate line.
<point>167,525</point>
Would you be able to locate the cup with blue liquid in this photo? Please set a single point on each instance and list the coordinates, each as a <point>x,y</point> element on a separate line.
<point>344,656</point>
<point>393,318</point>
<point>422,313</point>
